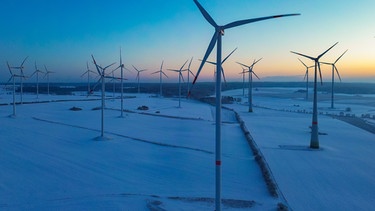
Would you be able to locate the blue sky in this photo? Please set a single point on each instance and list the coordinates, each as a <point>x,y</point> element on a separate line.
<point>63,34</point>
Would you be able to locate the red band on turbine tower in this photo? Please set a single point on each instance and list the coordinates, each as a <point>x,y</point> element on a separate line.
<point>218,162</point>
<point>314,123</point>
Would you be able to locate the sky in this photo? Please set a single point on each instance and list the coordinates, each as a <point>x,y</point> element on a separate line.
<point>62,34</point>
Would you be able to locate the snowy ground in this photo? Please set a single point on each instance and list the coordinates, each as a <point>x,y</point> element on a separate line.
<point>164,160</point>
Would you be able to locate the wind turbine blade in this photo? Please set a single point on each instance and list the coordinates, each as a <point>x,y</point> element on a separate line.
<point>10,70</point>
<point>155,72</point>
<point>205,14</point>
<point>228,55</point>
<point>191,73</point>
<point>109,65</point>
<point>302,63</point>
<point>214,63</point>
<point>242,22</point>
<point>256,62</point>
<point>181,76</point>
<point>326,50</point>
<point>24,61</point>
<point>183,65</point>
<point>164,74</point>
<point>33,74</point>
<point>190,63</point>
<point>255,75</point>
<point>340,57</point>
<point>243,64</point>
<point>135,68</point>
<point>81,75</point>
<point>307,72</point>
<point>320,73</point>
<point>312,58</point>
<point>120,58</point>
<point>161,66</point>
<point>96,84</point>
<point>96,65</point>
<point>337,71</point>
<point>222,72</point>
<point>209,49</point>
<point>11,77</point>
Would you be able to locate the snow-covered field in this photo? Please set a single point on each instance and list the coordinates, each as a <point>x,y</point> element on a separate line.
<point>163,158</point>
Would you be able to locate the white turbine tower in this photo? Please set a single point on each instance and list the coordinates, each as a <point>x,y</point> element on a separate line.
<point>12,77</point>
<point>47,75</point>
<point>217,36</point>
<point>36,72</point>
<point>333,76</point>
<point>88,71</point>
<point>307,78</point>
<point>138,77</point>
<point>314,141</point>
<point>101,72</point>
<point>161,73</point>
<point>251,73</point>
<point>21,67</point>
<point>179,71</point>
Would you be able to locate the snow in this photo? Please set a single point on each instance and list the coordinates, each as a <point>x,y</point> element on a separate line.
<point>163,158</point>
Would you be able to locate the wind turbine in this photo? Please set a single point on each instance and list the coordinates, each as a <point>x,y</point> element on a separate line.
<point>122,66</point>
<point>138,76</point>
<point>21,67</point>
<point>243,80</point>
<point>161,73</point>
<point>88,71</point>
<point>179,81</point>
<point>101,72</point>
<point>307,78</point>
<point>333,75</point>
<point>216,38</point>
<point>12,77</point>
<point>37,71</point>
<point>222,69</point>
<point>188,75</point>
<point>251,73</point>
<point>314,141</point>
<point>47,75</point>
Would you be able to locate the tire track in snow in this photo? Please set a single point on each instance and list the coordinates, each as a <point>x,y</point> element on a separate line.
<point>125,136</point>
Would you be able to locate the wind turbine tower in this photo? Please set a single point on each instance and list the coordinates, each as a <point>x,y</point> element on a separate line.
<point>101,72</point>
<point>88,71</point>
<point>307,78</point>
<point>243,80</point>
<point>216,39</point>
<point>161,73</point>
<point>37,71</point>
<point>179,81</point>
<point>47,75</point>
<point>250,91</point>
<point>314,141</point>
<point>333,76</point>
<point>12,77</point>
<point>21,67</point>
<point>138,77</point>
